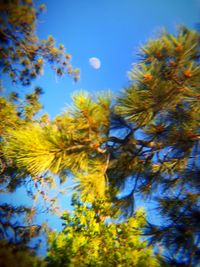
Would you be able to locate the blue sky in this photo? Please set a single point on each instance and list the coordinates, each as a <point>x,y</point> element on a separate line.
<point>113,31</point>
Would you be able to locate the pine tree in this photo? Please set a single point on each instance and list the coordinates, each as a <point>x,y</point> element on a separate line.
<point>17,228</point>
<point>147,137</point>
<point>22,54</point>
<point>163,102</point>
<point>22,57</point>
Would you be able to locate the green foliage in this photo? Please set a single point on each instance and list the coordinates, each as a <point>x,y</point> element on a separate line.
<point>22,58</point>
<point>87,240</point>
<point>163,102</point>
<point>71,142</point>
<point>14,114</point>
<point>22,54</point>
<point>16,225</point>
<point>166,77</point>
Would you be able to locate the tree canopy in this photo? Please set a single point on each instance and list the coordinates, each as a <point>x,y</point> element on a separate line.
<point>87,240</point>
<point>145,141</point>
<point>22,53</point>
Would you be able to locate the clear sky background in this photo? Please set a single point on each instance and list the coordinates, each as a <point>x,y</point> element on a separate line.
<point>113,31</point>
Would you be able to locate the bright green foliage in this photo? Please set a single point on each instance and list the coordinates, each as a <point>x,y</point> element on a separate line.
<point>22,57</point>
<point>71,142</point>
<point>22,54</point>
<point>87,240</point>
<point>14,114</point>
<point>16,224</point>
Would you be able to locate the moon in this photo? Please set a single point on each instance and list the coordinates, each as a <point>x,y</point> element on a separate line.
<point>95,63</point>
